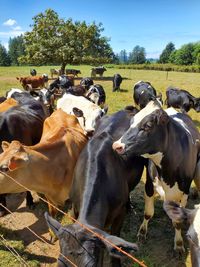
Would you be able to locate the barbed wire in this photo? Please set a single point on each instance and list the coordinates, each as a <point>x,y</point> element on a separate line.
<point>81,224</point>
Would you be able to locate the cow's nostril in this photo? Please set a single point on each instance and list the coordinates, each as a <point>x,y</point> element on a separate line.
<point>119,147</point>
<point>90,133</point>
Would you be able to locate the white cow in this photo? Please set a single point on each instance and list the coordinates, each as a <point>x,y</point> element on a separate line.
<point>87,112</point>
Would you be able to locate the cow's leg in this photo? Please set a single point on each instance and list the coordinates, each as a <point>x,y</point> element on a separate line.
<point>3,211</point>
<point>149,207</point>
<point>29,200</point>
<point>178,240</point>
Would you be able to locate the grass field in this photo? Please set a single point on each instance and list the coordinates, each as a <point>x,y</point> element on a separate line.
<point>157,250</point>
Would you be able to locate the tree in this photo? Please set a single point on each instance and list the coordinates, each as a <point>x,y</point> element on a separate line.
<point>4,57</point>
<point>54,40</point>
<point>16,49</point>
<point>138,55</point>
<point>165,55</point>
<point>184,55</point>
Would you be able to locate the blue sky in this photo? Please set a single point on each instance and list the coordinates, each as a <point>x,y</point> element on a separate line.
<point>151,24</point>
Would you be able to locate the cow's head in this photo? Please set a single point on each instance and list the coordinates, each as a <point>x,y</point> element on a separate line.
<point>146,134</point>
<point>197,104</point>
<point>88,119</point>
<point>192,217</point>
<point>86,82</point>
<point>13,157</point>
<point>82,247</point>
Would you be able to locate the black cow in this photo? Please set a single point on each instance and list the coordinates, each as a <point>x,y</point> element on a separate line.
<point>77,90</point>
<point>23,123</point>
<point>179,98</point>
<point>33,72</point>
<point>72,71</point>
<point>97,94</point>
<point>99,194</point>
<point>171,140</point>
<point>86,82</point>
<point>117,79</point>
<point>97,70</point>
<point>192,217</point>
<point>143,92</point>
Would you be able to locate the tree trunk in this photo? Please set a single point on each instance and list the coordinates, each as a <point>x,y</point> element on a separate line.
<point>62,69</point>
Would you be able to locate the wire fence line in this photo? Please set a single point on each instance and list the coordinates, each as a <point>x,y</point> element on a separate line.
<point>141,263</point>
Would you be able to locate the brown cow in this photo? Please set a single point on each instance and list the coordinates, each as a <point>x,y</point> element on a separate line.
<point>32,82</point>
<point>8,103</point>
<point>47,167</point>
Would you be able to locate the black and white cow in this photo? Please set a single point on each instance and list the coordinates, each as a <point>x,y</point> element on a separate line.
<point>143,92</point>
<point>192,217</point>
<point>86,82</point>
<point>179,98</point>
<point>99,195</point>
<point>97,94</point>
<point>87,112</point>
<point>171,140</point>
<point>117,79</point>
<point>73,72</point>
<point>33,72</point>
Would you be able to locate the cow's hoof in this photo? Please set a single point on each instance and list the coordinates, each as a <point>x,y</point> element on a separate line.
<point>179,251</point>
<point>142,234</point>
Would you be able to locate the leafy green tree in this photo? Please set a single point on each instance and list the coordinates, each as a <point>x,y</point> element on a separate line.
<point>184,55</point>
<point>165,55</point>
<point>4,57</point>
<point>16,49</point>
<point>54,40</point>
<point>138,55</point>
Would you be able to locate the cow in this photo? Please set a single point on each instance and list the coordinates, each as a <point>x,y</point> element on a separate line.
<point>87,112</point>
<point>34,82</point>
<point>72,71</point>
<point>23,122</point>
<point>97,70</point>
<point>60,145</point>
<point>55,72</point>
<point>99,196</point>
<point>86,82</point>
<point>192,217</point>
<point>182,99</point>
<point>97,94</point>
<point>77,90</point>
<point>171,140</point>
<point>143,93</point>
<point>7,104</point>
<point>33,72</point>
<point>117,79</point>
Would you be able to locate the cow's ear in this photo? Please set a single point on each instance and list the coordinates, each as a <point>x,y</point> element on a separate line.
<point>53,224</point>
<point>176,213</point>
<point>5,145</point>
<point>77,112</point>
<point>17,161</point>
<point>105,109</point>
<point>121,243</point>
<point>161,117</point>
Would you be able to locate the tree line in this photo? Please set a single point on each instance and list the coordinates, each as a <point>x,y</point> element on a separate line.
<point>55,41</point>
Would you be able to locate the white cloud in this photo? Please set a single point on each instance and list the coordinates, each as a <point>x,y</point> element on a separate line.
<point>17,28</point>
<point>11,34</point>
<point>10,22</point>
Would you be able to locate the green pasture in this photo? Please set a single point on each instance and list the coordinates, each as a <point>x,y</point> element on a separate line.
<point>157,250</point>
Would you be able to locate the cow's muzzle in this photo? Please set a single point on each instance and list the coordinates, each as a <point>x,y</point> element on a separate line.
<point>4,168</point>
<point>119,147</point>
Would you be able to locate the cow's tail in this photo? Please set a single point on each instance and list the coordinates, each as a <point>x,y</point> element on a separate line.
<point>197,170</point>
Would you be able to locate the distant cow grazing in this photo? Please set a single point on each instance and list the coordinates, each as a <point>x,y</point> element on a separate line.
<point>143,93</point>
<point>97,95</point>
<point>87,112</point>
<point>33,72</point>
<point>61,143</point>
<point>55,72</point>
<point>33,82</point>
<point>192,217</point>
<point>86,82</point>
<point>171,140</point>
<point>179,98</point>
<point>99,195</point>
<point>72,71</point>
<point>117,79</point>
<point>97,70</point>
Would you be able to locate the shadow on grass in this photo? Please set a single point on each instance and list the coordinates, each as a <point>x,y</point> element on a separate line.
<point>108,78</point>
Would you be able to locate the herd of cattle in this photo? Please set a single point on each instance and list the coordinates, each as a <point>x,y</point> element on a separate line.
<point>97,159</point>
